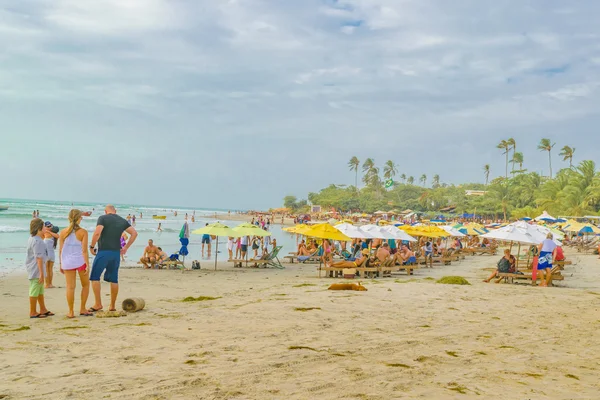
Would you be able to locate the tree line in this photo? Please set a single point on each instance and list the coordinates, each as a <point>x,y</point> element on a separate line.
<point>573,191</point>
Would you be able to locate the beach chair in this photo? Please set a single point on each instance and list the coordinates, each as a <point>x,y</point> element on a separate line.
<point>273,260</point>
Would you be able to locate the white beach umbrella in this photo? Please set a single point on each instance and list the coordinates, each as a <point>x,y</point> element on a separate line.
<point>545,217</point>
<point>397,233</point>
<point>377,232</point>
<point>512,233</point>
<point>353,231</point>
<point>452,231</point>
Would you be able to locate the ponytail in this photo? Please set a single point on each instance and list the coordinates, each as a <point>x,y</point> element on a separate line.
<point>74,217</point>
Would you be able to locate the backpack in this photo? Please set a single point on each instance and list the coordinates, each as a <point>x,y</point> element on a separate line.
<point>195,264</point>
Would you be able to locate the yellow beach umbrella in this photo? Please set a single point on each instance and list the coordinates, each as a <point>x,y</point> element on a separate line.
<point>216,229</point>
<point>326,231</point>
<point>247,229</point>
<point>425,230</point>
<point>299,229</point>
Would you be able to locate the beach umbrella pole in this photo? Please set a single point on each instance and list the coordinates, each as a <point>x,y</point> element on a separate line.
<point>216,252</point>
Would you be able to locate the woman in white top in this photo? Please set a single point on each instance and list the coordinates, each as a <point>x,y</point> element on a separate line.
<point>230,244</point>
<point>547,253</point>
<point>74,258</point>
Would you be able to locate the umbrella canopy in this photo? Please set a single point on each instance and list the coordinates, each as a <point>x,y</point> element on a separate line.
<point>216,229</point>
<point>354,232</point>
<point>377,232</point>
<point>424,230</point>
<point>326,231</point>
<point>512,233</point>
<point>247,229</point>
<point>471,229</point>
<point>579,227</point>
<point>380,212</point>
<point>544,217</point>
<point>453,232</point>
<point>398,234</point>
<point>299,229</point>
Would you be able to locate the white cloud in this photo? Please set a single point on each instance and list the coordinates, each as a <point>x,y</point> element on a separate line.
<point>235,80</point>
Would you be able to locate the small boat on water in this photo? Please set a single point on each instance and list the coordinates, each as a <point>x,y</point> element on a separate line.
<point>159,216</point>
<point>3,208</point>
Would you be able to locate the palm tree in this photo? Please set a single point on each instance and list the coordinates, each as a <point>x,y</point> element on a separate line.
<point>436,181</point>
<point>546,146</point>
<point>567,154</point>
<point>517,159</point>
<point>486,172</point>
<point>504,146</point>
<point>353,164</point>
<point>423,179</point>
<point>512,145</point>
<point>410,180</point>
<point>389,170</point>
<point>403,177</point>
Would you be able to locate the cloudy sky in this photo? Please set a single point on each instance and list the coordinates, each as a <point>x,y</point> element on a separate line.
<point>235,104</point>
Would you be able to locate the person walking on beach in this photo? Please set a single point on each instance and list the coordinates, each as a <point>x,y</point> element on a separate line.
<point>133,220</point>
<point>107,235</point>
<point>34,264</point>
<point>74,259</point>
<point>206,241</point>
<point>547,251</point>
<point>50,240</point>
<point>159,229</point>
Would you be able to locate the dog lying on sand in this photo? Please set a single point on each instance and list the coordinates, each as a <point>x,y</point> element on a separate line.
<point>348,286</point>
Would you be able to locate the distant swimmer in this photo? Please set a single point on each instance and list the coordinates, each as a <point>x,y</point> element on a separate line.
<point>159,229</point>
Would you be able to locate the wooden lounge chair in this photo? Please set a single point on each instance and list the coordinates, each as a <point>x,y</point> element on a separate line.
<point>556,275</point>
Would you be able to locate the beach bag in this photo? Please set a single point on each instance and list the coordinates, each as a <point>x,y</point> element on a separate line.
<point>195,264</point>
<point>504,265</point>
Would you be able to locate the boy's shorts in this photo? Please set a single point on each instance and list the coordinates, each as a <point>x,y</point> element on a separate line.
<point>35,288</point>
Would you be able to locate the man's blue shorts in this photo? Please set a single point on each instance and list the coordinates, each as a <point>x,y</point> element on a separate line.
<point>107,261</point>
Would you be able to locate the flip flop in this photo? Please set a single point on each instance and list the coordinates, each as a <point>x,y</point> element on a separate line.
<point>48,313</point>
<point>92,309</point>
<point>114,309</point>
<point>37,316</point>
<point>88,314</point>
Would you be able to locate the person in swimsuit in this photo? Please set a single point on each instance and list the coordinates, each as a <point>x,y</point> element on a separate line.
<point>50,240</point>
<point>159,229</point>
<point>302,250</point>
<point>150,255</point>
<point>547,250</point>
<point>74,259</point>
<point>206,241</point>
<point>230,246</point>
<point>326,258</point>
<point>359,262</point>
<point>162,256</point>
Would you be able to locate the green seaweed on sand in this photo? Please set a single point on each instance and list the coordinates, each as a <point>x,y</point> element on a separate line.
<point>398,365</point>
<point>425,326</point>
<point>200,298</point>
<point>65,328</point>
<point>453,280</point>
<point>572,376</point>
<point>305,309</point>
<point>304,285</point>
<point>22,328</point>
<point>421,358</point>
<point>506,347</point>
<point>429,278</point>
<point>481,353</point>
<point>533,375</point>
<point>451,353</point>
<point>302,348</point>
<point>457,388</point>
<point>191,362</point>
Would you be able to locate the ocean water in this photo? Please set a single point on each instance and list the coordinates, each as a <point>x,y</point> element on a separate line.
<point>14,228</point>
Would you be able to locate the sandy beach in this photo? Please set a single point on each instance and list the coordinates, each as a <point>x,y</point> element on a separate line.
<point>273,334</point>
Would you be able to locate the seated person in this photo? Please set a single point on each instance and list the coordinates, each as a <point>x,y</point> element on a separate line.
<point>150,255</point>
<point>505,265</point>
<point>560,255</point>
<point>485,242</point>
<point>312,247</point>
<point>162,256</point>
<point>359,262</point>
<point>302,250</point>
<point>407,256</point>
<point>383,252</point>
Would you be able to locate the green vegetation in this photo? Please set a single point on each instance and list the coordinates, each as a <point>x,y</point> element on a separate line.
<point>453,280</point>
<point>302,348</point>
<point>574,190</point>
<point>22,328</point>
<point>200,298</point>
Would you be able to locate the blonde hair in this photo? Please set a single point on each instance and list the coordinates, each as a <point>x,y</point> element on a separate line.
<point>74,217</point>
<point>549,235</point>
<point>35,226</point>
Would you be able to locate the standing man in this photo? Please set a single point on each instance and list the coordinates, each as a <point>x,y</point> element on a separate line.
<point>109,229</point>
<point>206,241</point>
